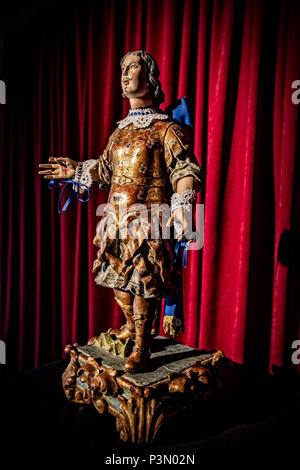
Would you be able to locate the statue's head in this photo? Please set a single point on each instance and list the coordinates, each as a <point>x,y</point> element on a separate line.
<point>140,76</point>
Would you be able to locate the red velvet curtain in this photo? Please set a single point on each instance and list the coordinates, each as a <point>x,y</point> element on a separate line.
<point>235,61</point>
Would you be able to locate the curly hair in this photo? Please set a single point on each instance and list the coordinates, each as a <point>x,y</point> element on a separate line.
<point>152,76</point>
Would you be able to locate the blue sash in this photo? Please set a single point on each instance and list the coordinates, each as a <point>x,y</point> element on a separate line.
<point>173,305</point>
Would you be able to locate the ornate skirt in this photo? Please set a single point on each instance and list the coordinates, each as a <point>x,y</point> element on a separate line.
<point>139,264</point>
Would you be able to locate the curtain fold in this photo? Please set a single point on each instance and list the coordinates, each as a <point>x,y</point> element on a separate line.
<point>285,139</point>
<point>235,61</point>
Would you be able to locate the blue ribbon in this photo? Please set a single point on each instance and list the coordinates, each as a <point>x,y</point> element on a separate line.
<point>75,190</point>
<point>185,251</point>
<point>173,305</point>
<point>180,111</point>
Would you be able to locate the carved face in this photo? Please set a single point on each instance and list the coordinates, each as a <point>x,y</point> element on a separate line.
<point>133,77</point>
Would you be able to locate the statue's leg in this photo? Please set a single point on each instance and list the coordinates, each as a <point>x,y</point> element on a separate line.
<point>125,300</point>
<point>156,319</point>
<point>144,312</point>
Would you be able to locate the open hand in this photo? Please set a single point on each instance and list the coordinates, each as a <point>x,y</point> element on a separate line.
<point>58,168</point>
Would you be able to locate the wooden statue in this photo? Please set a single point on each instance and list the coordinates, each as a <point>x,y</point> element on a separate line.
<point>148,162</point>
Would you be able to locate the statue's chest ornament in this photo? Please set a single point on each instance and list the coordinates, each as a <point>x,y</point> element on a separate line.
<point>142,168</point>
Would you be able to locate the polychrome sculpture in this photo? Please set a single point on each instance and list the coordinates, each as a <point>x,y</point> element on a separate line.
<point>148,163</point>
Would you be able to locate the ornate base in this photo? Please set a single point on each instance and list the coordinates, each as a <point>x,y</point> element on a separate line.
<point>176,378</point>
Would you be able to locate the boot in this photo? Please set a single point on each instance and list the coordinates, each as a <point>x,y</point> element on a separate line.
<point>155,323</point>
<point>128,330</point>
<point>143,324</point>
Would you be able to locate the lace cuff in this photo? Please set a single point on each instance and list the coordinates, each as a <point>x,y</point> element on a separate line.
<point>184,200</point>
<point>83,173</point>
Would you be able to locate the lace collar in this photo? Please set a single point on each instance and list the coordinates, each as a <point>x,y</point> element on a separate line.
<point>142,117</point>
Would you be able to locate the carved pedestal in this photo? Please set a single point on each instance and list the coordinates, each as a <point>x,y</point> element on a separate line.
<point>177,378</point>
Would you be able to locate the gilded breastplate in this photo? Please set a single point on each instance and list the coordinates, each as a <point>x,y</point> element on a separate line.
<point>139,171</point>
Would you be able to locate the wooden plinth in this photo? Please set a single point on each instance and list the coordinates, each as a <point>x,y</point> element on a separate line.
<point>176,378</point>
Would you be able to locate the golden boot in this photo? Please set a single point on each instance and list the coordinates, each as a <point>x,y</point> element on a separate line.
<point>156,319</point>
<point>144,312</point>
<point>125,300</point>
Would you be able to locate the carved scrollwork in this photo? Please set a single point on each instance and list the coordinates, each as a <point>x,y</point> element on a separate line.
<point>214,358</point>
<point>140,419</point>
<point>96,380</point>
<point>70,374</point>
<point>100,380</point>
<point>105,381</point>
<point>122,427</point>
<point>196,378</point>
<point>82,396</point>
<point>154,419</point>
<point>198,373</point>
<point>179,384</point>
